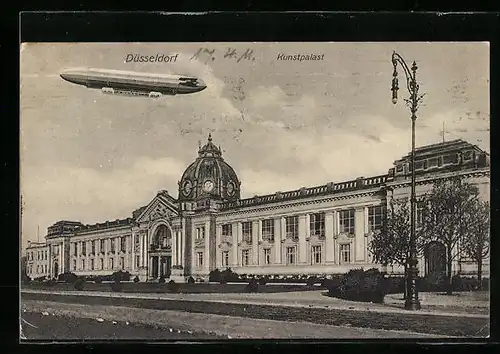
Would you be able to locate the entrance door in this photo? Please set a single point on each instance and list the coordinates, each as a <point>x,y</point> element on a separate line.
<point>435,258</point>
<point>168,266</point>
<point>56,269</point>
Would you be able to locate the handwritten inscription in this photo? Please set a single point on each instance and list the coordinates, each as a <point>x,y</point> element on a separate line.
<point>208,54</point>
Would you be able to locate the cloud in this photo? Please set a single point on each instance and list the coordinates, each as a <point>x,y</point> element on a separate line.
<point>62,192</point>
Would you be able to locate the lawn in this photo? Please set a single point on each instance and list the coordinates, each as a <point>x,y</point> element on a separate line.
<point>186,288</point>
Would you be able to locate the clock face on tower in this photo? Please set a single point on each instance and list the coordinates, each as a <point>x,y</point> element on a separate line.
<point>230,188</point>
<point>187,187</point>
<point>208,186</point>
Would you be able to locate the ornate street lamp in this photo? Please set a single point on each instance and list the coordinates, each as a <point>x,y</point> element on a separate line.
<point>412,302</point>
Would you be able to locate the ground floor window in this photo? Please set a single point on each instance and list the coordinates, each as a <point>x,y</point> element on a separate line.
<point>137,261</point>
<point>83,264</point>
<point>345,253</point>
<point>225,259</point>
<point>267,256</point>
<point>74,264</point>
<point>316,254</point>
<point>291,255</point>
<point>199,259</point>
<point>91,264</point>
<point>102,264</point>
<point>245,257</point>
<point>122,262</point>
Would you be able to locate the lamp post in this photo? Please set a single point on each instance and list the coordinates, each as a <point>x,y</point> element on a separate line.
<point>412,302</point>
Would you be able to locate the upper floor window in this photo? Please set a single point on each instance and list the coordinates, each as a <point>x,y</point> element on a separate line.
<point>292,227</point>
<point>102,245</point>
<point>113,242</point>
<point>123,243</point>
<point>268,230</point>
<point>317,224</point>
<point>227,230</point>
<point>92,245</point>
<point>375,217</point>
<point>200,233</point>
<point>346,221</point>
<point>162,237</point>
<point>247,231</point>
<point>84,248</point>
<point>75,249</point>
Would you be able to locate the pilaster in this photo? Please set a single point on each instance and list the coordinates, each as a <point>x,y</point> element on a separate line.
<point>302,240</point>
<point>329,233</point>
<point>255,243</point>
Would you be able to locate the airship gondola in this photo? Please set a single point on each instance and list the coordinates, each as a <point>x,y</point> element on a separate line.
<point>131,83</point>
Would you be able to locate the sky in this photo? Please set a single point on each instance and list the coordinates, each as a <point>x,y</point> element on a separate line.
<point>282,125</point>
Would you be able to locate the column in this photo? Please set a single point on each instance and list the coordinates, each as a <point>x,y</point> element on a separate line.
<point>329,232</point>
<point>206,253</point>
<point>150,267</point>
<point>158,267</point>
<point>336,231</point>
<point>218,239</point>
<point>255,243</point>
<point>366,230</point>
<point>141,252</point>
<point>182,244</point>
<point>145,248</point>
<point>174,247</point>
<point>194,256</point>
<point>302,240</point>
<point>359,240</point>
<point>234,247</point>
<point>78,258</point>
<point>277,240</point>
<point>133,251</point>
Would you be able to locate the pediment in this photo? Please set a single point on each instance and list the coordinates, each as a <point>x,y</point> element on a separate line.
<point>160,207</point>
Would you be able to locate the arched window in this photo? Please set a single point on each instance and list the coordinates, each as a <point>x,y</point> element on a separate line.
<point>162,237</point>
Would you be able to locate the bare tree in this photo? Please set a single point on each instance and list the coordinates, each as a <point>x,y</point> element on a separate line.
<point>391,244</point>
<point>476,241</point>
<point>445,218</point>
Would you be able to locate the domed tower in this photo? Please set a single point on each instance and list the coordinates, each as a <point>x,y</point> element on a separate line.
<point>209,176</point>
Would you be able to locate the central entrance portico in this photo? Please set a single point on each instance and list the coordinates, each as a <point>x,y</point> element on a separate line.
<point>160,252</point>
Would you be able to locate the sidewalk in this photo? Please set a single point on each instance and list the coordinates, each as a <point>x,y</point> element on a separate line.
<point>306,299</point>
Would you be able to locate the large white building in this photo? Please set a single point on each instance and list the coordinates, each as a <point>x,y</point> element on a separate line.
<point>317,230</point>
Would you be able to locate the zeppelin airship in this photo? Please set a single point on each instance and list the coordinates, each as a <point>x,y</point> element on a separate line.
<point>131,83</point>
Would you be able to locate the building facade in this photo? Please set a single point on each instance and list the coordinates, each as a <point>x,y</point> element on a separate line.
<point>314,231</point>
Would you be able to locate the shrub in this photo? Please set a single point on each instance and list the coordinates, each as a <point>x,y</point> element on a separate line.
<point>311,281</point>
<point>228,275</point>
<point>121,276</point>
<point>214,276</point>
<point>161,280</point>
<point>173,287</point>
<point>394,285</point>
<point>262,281</point>
<point>359,285</point>
<point>98,280</point>
<point>190,280</point>
<point>433,282</point>
<point>485,284</point>
<point>136,279</point>
<point>252,286</point>
<point>40,279</point>
<point>117,286</point>
<point>79,284</point>
<point>67,277</point>
<point>50,282</point>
